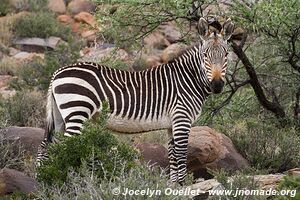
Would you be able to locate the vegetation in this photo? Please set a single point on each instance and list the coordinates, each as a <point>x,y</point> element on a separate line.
<point>96,147</point>
<point>41,24</point>
<point>259,108</point>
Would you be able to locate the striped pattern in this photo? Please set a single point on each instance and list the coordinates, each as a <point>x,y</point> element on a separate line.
<point>169,96</point>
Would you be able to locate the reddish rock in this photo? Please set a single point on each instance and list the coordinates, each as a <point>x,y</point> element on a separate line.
<point>77,6</point>
<point>65,19</point>
<point>85,17</point>
<point>89,35</point>
<point>156,40</point>
<point>210,149</point>
<point>153,154</point>
<point>14,181</point>
<point>172,52</point>
<point>57,6</point>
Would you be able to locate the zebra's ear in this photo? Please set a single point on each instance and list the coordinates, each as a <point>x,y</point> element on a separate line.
<point>203,28</point>
<point>227,30</point>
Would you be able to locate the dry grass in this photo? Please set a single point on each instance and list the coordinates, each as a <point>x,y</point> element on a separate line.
<point>6,25</point>
<point>9,66</point>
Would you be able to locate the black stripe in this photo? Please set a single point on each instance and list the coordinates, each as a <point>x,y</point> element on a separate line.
<point>71,88</point>
<point>71,104</point>
<point>76,113</point>
<point>87,76</point>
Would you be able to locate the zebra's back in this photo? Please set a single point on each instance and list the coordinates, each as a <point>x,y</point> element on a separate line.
<point>138,100</point>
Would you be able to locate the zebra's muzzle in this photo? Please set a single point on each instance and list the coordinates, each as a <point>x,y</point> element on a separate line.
<point>217,86</point>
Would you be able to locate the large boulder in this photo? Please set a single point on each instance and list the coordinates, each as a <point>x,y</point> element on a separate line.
<point>172,51</point>
<point>156,40</point>
<point>29,138</point>
<point>57,6</point>
<point>171,32</point>
<point>14,181</point>
<point>210,149</point>
<point>77,6</point>
<point>153,154</point>
<point>103,52</point>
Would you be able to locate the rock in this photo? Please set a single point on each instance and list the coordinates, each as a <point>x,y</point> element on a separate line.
<point>268,181</point>
<point>209,149</point>
<point>65,19</point>
<point>156,40</point>
<point>77,6</point>
<point>57,6</point>
<point>89,35</point>
<point>14,181</point>
<point>264,182</point>
<point>99,53</point>
<point>27,56</point>
<point>170,32</point>
<point>30,138</point>
<point>152,61</point>
<point>172,51</point>
<point>38,44</point>
<point>13,51</point>
<point>153,154</point>
<point>294,172</point>
<point>85,17</point>
<point>146,62</point>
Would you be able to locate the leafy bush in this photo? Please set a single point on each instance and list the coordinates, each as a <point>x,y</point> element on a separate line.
<point>38,72</point>
<point>5,7</point>
<point>30,5</point>
<point>96,146</point>
<point>239,181</point>
<point>85,185</point>
<point>267,146</point>
<point>41,24</point>
<point>290,183</point>
<point>24,109</point>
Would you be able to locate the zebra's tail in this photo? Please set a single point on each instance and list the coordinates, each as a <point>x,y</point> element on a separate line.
<point>50,118</point>
<point>49,129</point>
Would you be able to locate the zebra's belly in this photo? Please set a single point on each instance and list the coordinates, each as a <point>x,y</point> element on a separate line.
<point>124,125</point>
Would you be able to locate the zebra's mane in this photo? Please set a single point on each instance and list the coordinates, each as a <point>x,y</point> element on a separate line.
<point>183,52</point>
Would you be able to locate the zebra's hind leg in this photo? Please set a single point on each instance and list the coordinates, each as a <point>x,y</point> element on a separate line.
<point>172,161</point>
<point>42,153</point>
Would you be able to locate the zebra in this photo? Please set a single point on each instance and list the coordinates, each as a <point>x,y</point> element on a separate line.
<point>169,96</point>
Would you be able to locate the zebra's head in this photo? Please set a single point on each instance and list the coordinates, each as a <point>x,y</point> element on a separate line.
<point>214,51</point>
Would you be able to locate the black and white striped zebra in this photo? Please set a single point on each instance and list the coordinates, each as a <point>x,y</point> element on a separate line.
<point>169,96</point>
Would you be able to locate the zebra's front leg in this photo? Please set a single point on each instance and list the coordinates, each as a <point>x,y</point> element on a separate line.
<point>181,130</point>
<point>171,156</point>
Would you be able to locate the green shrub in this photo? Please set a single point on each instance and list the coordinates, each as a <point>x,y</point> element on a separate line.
<point>26,108</point>
<point>96,146</point>
<point>5,7</point>
<point>30,5</point>
<point>291,183</point>
<point>236,183</point>
<point>85,185</point>
<point>41,24</point>
<point>38,73</point>
<point>266,145</point>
